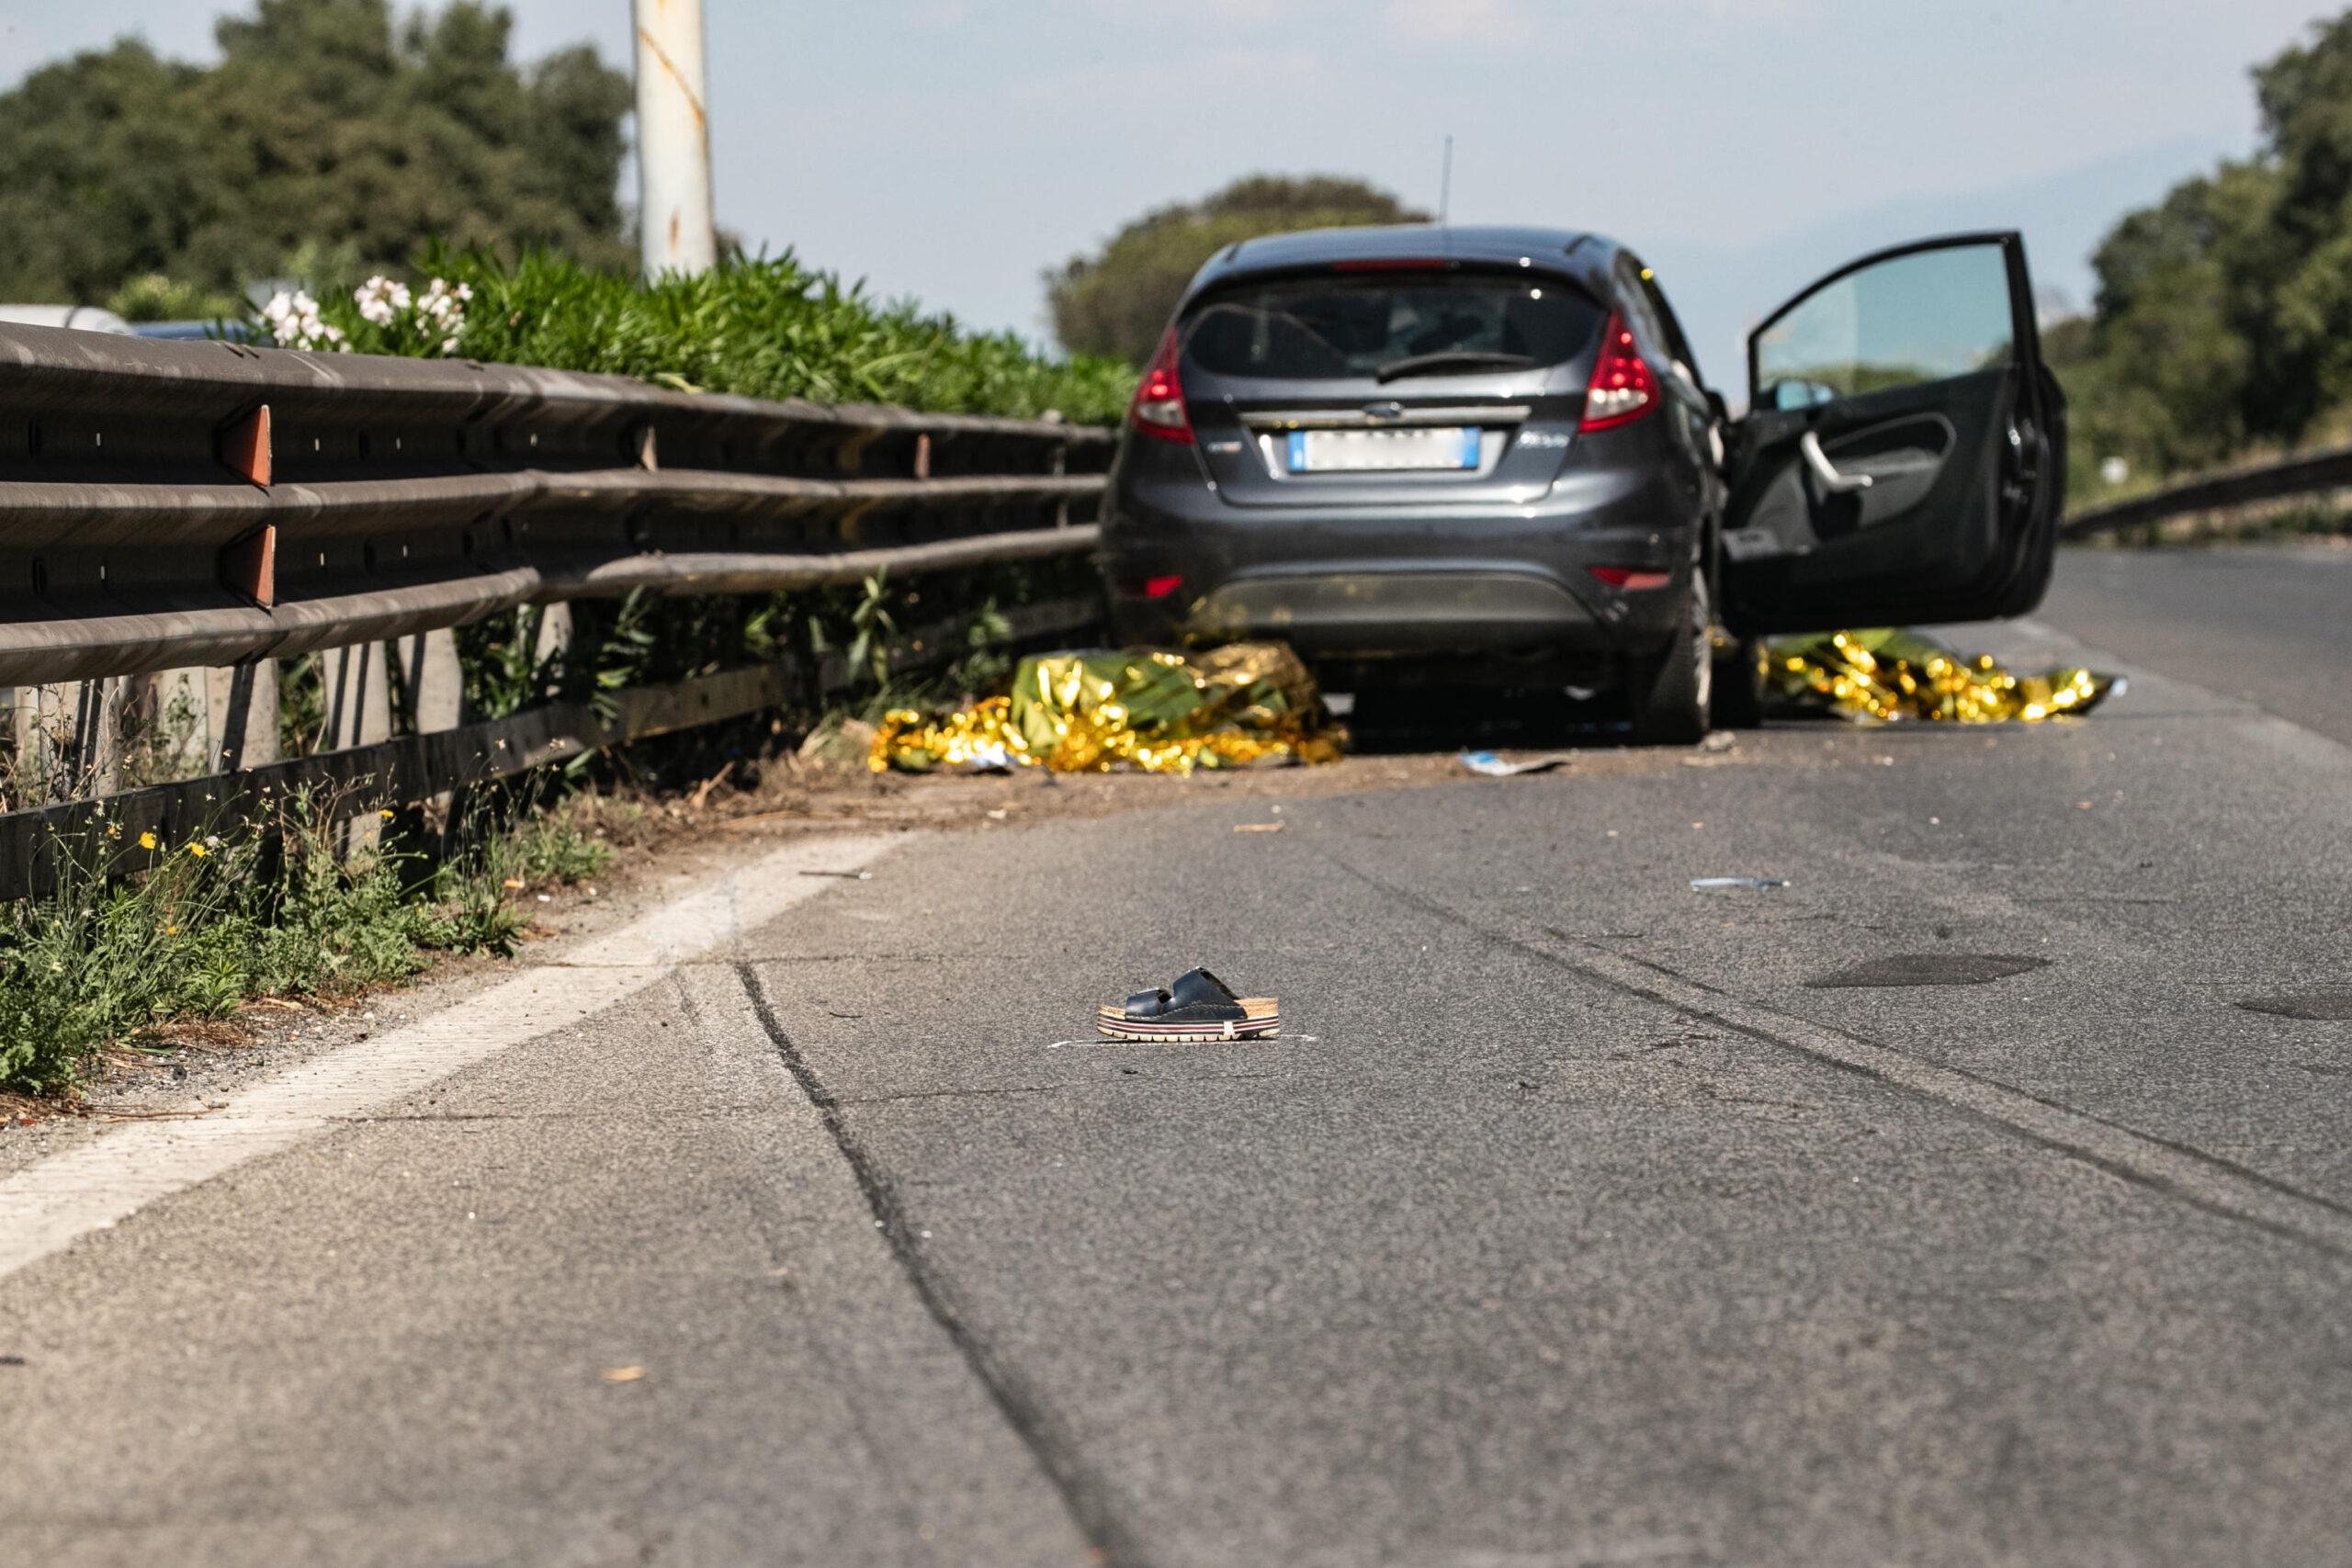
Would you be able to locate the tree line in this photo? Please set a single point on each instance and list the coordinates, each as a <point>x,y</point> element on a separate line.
<point>2223,316</point>
<point>333,139</point>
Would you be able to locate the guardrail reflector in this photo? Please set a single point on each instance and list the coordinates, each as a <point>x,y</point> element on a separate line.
<point>249,565</point>
<point>245,446</point>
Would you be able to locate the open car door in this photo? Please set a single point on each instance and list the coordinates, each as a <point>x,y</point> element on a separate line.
<point>1904,455</point>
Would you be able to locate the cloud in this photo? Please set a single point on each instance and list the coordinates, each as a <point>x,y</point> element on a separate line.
<point>1479,23</point>
<point>1224,76</point>
<point>1490,24</point>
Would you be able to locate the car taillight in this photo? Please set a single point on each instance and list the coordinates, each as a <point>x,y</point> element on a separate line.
<point>1623,388</point>
<point>1158,408</point>
<point>1633,579</point>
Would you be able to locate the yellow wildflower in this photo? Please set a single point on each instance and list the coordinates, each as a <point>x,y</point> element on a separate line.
<point>198,850</point>
<point>146,841</point>
<point>386,814</point>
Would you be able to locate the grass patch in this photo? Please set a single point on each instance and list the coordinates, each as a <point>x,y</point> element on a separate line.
<point>141,933</point>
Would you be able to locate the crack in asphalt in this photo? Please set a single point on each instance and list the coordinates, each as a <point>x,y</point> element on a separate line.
<point>1086,1497</point>
<point>953,1094</point>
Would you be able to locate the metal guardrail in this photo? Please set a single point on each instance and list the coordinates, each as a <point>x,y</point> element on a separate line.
<point>169,504</point>
<point>2312,473</point>
<point>411,768</point>
<point>165,507</point>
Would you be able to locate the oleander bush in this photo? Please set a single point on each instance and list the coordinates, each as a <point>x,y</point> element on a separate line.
<point>765,327</point>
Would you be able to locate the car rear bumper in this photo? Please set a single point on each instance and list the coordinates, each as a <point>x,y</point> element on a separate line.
<point>1415,584</point>
<point>1394,610</point>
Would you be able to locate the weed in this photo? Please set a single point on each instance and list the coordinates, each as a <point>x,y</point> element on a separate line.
<point>872,631</point>
<point>139,933</point>
<point>553,846</point>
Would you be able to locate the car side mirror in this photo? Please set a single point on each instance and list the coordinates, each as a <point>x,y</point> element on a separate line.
<point>1797,393</point>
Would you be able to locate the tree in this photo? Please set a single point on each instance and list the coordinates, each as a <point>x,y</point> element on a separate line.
<point>1117,301</point>
<point>328,130</point>
<point>2225,311</point>
<point>2177,337</point>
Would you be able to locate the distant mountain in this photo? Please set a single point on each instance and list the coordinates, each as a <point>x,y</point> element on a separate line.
<point>1721,291</point>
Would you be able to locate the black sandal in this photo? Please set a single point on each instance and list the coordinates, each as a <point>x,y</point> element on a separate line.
<point>1195,1008</point>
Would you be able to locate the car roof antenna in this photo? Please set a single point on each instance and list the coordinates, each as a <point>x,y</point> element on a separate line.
<point>1445,181</point>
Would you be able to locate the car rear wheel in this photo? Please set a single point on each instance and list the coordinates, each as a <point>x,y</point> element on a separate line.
<point>1673,692</point>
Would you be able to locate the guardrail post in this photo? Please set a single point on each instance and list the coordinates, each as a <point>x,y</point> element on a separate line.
<point>66,740</point>
<point>356,687</point>
<point>553,642</point>
<point>172,711</point>
<point>241,716</point>
<point>195,721</point>
<point>433,683</point>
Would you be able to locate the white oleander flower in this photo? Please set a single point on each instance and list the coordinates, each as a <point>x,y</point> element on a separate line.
<point>294,322</point>
<point>380,299</point>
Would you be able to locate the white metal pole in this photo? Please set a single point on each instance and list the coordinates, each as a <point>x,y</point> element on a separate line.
<point>672,139</point>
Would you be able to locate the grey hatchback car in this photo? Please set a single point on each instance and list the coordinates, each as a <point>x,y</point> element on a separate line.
<point>1457,455</point>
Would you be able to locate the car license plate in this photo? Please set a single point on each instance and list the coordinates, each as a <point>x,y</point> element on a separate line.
<point>1424,450</point>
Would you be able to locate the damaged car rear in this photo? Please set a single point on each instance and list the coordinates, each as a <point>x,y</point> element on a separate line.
<point>1456,457</point>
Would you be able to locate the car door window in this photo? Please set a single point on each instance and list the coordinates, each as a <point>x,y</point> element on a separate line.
<point>1925,316</point>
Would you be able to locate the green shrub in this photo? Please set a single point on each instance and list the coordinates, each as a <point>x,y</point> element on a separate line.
<point>764,327</point>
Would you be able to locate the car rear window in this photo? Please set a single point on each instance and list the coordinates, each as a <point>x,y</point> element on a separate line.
<point>1346,328</point>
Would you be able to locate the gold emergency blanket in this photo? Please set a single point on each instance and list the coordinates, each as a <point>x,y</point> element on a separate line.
<point>1888,673</point>
<point>1241,705</point>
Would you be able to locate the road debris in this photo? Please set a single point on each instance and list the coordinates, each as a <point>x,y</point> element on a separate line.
<point>1244,705</point>
<point>1742,884</point>
<point>1258,827</point>
<point>1887,674</point>
<point>623,1374</point>
<point>844,875</point>
<point>701,796</point>
<point>1194,1007</point>
<point>1489,764</point>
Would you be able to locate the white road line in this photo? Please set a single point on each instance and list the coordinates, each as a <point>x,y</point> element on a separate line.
<point>46,1206</point>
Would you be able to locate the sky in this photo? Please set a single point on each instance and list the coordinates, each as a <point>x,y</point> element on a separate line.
<point>952,150</point>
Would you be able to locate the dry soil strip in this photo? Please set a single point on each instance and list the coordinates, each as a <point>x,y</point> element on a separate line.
<point>46,1206</point>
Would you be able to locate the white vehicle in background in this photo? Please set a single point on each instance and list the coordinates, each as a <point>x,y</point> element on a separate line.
<point>81,317</point>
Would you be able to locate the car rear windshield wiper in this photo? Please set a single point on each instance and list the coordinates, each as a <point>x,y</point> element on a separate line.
<point>1452,360</point>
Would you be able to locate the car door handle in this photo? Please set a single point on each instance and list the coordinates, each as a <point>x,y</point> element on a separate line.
<point>1827,471</point>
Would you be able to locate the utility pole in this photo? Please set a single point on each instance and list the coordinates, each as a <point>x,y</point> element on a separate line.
<point>672,139</point>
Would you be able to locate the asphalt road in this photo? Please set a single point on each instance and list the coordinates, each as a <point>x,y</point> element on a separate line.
<point>1578,1217</point>
<point>2270,624</point>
